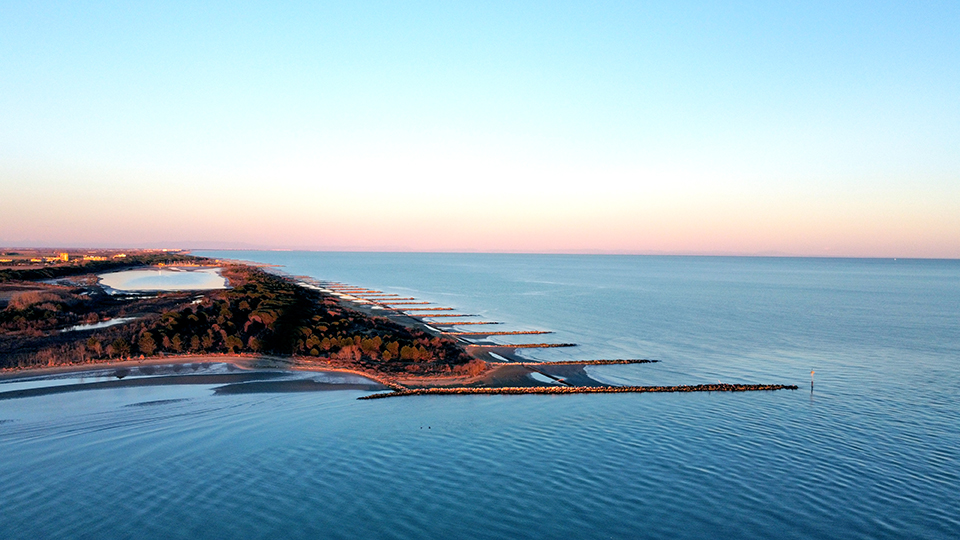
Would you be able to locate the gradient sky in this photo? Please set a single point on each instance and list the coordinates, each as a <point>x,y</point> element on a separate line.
<point>800,128</point>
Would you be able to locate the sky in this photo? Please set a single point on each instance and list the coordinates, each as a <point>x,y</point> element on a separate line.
<point>738,128</point>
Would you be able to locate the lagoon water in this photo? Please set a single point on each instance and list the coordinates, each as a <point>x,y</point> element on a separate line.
<point>872,452</point>
<point>164,279</point>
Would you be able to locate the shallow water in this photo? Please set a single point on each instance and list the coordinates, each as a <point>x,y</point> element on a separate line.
<point>99,325</point>
<point>873,452</point>
<point>169,279</point>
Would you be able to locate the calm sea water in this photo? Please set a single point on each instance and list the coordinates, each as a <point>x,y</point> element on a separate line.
<point>873,452</point>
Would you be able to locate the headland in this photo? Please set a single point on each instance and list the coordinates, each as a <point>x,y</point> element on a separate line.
<point>72,312</point>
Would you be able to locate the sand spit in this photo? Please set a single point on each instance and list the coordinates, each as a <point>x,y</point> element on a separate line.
<point>585,390</point>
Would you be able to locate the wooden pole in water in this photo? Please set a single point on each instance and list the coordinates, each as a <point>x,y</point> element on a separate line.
<point>811,380</point>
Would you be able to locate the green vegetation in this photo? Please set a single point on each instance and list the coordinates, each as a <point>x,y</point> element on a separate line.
<point>261,314</point>
<point>267,314</point>
<point>38,311</point>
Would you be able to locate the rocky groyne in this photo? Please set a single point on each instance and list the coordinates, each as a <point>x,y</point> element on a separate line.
<point>584,390</point>
<point>585,362</point>
<point>521,345</point>
<point>462,323</point>
<point>516,333</point>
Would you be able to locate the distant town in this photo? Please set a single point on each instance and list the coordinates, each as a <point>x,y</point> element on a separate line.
<point>40,257</point>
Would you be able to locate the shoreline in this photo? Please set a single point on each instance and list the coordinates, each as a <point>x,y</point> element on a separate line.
<point>238,361</point>
<point>263,374</point>
<point>256,373</point>
<point>498,375</point>
<point>450,363</point>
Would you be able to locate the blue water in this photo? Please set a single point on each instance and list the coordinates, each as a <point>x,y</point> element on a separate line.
<point>873,452</point>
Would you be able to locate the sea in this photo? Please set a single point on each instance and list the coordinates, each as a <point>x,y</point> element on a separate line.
<point>870,450</point>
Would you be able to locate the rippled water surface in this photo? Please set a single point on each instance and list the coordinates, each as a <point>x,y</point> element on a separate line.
<point>874,452</point>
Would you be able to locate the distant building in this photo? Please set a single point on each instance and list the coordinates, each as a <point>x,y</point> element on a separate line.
<point>64,256</point>
<point>119,255</point>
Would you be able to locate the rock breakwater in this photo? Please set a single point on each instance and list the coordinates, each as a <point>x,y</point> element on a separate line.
<point>585,390</point>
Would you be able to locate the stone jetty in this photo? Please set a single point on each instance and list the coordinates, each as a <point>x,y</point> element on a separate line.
<point>583,362</point>
<point>521,345</point>
<point>516,333</point>
<point>356,291</point>
<point>461,323</point>
<point>584,390</point>
<point>508,372</point>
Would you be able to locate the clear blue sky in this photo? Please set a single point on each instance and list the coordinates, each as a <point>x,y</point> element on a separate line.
<point>680,127</point>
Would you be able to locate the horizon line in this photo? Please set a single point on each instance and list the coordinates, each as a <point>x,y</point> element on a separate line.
<point>759,255</point>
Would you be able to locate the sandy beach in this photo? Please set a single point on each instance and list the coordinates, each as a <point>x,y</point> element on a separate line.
<point>236,374</point>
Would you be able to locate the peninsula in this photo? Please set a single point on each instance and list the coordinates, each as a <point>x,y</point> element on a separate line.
<point>57,312</point>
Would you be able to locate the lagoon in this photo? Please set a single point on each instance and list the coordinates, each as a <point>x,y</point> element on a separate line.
<point>164,279</point>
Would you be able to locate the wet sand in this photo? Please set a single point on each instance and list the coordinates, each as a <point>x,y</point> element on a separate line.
<point>297,385</point>
<point>237,361</point>
<point>237,374</point>
<point>163,380</point>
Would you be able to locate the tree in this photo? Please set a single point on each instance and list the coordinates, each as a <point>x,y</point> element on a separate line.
<point>119,348</point>
<point>370,346</point>
<point>147,344</point>
<point>349,354</point>
<point>94,346</point>
<point>233,343</point>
